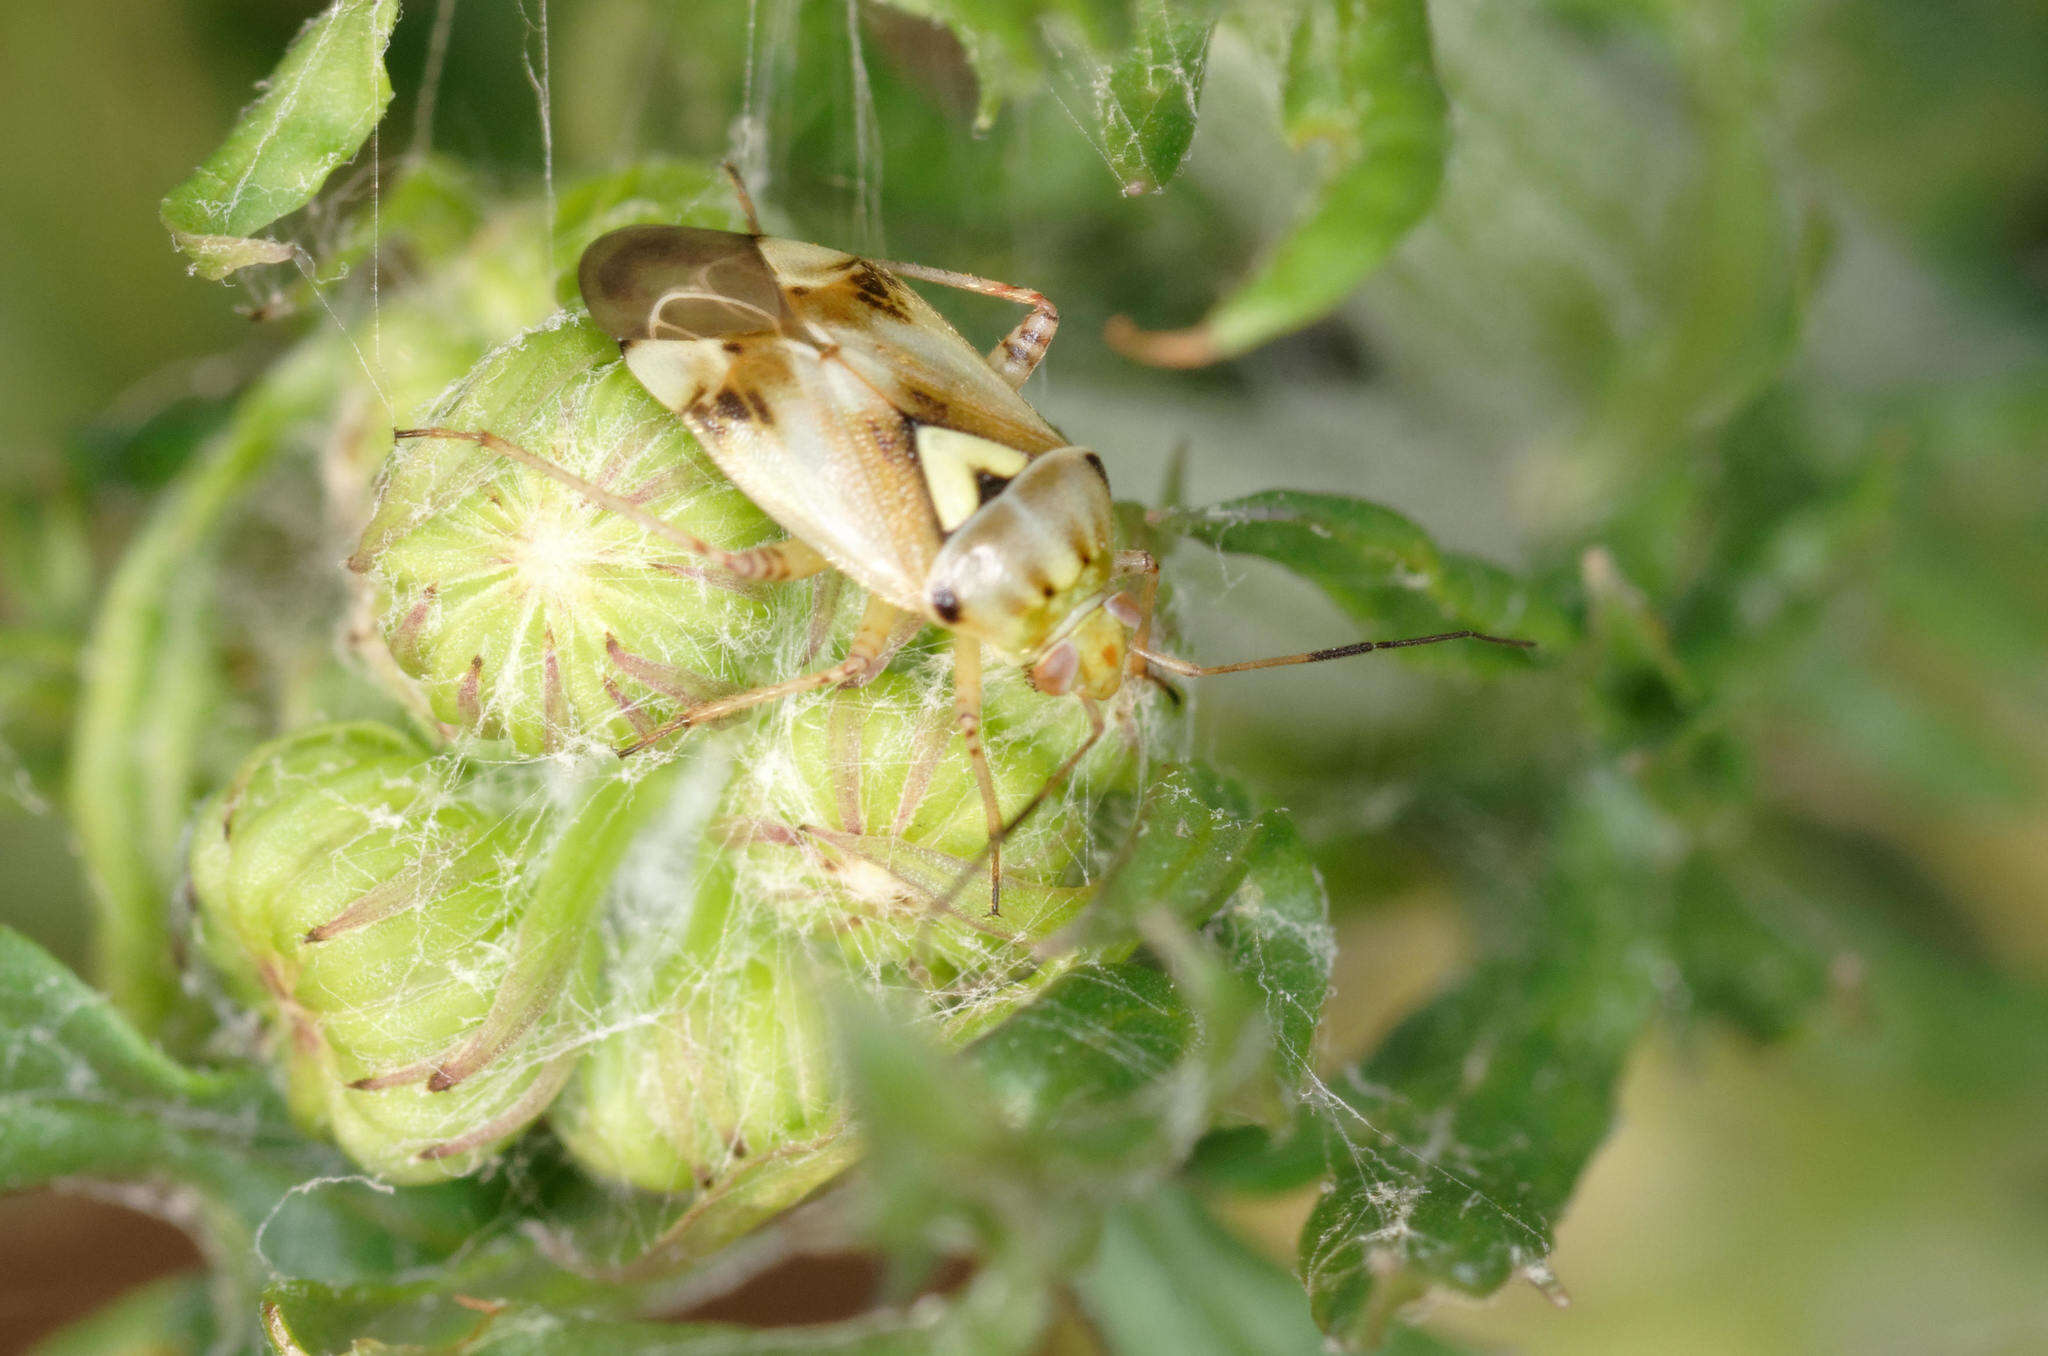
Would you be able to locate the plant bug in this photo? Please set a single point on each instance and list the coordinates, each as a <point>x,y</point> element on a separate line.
<point>853,414</point>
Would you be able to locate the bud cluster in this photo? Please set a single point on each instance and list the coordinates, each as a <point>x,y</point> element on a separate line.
<point>456,932</point>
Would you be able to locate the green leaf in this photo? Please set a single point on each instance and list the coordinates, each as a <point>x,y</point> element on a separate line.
<point>1739,962</point>
<point>1009,43</point>
<point>1456,1144</point>
<point>170,1317</point>
<point>936,1147</point>
<point>1276,933</point>
<point>316,110</point>
<point>1361,82</point>
<point>1168,1277</point>
<point>1185,856</point>
<point>1022,1144</point>
<point>1254,1158</point>
<point>307,1317</point>
<point>1382,569</point>
<point>84,1095</point>
<point>1096,1038</point>
<point>1082,1061</point>
<point>1145,109</point>
<point>1115,1068</point>
<point>1513,1076</point>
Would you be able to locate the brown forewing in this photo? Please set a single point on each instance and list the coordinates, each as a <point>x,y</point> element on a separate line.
<point>815,418</point>
<point>895,340</point>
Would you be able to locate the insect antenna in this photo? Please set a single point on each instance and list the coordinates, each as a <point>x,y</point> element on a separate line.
<point>1138,616</point>
<point>739,188</point>
<point>1173,664</point>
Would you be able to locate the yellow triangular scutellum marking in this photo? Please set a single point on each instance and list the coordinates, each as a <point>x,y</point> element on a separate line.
<point>951,460</point>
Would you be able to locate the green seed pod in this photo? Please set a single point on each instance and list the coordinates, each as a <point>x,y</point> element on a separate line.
<point>731,1067</point>
<point>857,818</point>
<point>370,896</point>
<point>525,608</point>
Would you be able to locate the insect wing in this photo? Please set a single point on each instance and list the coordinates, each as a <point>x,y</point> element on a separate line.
<point>901,346</point>
<point>843,405</point>
<point>809,442</point>
<point>681,282</point>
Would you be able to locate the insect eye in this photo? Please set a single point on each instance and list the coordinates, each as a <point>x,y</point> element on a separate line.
<point>946,604</point>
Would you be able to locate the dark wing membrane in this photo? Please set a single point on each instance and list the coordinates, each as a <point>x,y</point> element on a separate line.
<point>681,282</point>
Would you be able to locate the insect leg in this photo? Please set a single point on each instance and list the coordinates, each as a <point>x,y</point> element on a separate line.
<point>993,852</point>
<point>739,190</point>
<point>774,562</point>
<point>1017,356</point>
<point>1138,616</point>
<point>862,657</point>
<point>1139,563</point>
<point>967,714</point>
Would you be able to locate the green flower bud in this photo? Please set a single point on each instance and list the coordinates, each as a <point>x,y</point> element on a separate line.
<point>264,842</point>
<point>368,895</point>
<point>732,1069</point>
<point>525,609</point>
<point>858,818</point>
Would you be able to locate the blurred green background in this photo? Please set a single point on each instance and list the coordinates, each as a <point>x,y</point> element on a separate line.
<point>1729,329</point>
